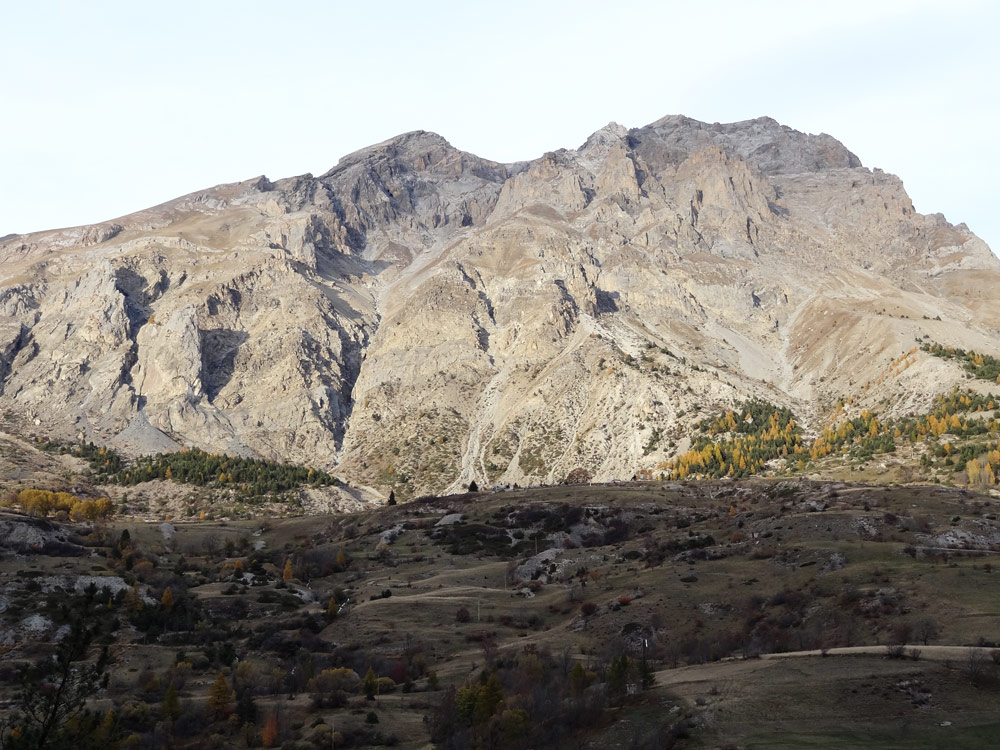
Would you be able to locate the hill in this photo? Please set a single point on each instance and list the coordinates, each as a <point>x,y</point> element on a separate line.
<point>738,614</point>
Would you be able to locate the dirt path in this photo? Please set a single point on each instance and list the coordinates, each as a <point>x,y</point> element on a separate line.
<point>932,653</point>
<point>731,667</point>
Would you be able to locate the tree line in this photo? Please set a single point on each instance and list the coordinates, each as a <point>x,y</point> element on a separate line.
<point>247,477</point>
<point>739,443</point>
<point>45,502</point>
<point>981,366</point>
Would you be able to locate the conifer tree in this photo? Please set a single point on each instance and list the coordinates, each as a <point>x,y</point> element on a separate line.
<point>369,684</point>
<point>269,734</point>
<point>171,707</point>
<point>50,710</point>
<point>219,698</point>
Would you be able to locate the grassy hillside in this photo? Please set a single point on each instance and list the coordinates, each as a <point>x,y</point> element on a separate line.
<point>642,615</point>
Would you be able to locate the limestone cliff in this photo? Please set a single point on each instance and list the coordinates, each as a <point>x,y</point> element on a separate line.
<point>417,316</point>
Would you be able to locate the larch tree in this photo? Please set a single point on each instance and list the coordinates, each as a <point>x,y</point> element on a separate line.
<point>219,698</point>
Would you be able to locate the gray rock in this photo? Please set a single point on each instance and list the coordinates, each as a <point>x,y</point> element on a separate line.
<point>418,317</point>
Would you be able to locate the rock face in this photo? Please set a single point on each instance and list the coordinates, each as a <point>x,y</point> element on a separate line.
<point>418,317</point>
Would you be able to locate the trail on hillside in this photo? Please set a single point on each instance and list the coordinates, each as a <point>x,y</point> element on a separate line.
<point>729,667</point>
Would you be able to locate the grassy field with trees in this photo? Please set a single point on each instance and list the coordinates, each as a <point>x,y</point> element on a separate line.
<point>643,615</point>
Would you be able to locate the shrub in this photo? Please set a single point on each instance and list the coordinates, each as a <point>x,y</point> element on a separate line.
<point>463,615</point>
<point>895,651</point>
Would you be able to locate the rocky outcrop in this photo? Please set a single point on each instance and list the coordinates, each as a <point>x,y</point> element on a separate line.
<point>417,317</point>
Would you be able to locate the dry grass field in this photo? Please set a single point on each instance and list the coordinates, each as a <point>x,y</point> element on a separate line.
<point>712,586</point>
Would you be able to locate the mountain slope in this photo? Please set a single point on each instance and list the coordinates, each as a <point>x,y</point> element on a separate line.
<point>418,316</point>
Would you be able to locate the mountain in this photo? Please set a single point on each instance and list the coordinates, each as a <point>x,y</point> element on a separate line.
<point>417,316</point>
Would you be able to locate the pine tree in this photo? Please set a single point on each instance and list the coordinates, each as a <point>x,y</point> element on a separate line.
<point>246,706</point>
<point>489,699</point>
<point>50,707</point>
<point>133,600</point>
<point>219,697</point>
<point>578,679</point>
<point>107,730</point>
<point>369,684</point>
<point>171,707</point>
<point>618,675</point>
<point>646,674</point>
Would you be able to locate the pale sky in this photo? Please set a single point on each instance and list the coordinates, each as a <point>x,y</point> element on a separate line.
<point>110,107</point>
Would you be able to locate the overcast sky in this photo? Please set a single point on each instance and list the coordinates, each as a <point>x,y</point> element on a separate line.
<point>110,107</point>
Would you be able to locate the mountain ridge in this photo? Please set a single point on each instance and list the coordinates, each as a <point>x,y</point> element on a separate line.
<point>516,314</point>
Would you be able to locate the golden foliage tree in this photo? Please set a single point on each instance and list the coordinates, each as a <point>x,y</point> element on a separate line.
<point>369,684</point>
<point>219,698</point>
<point>269,734</point>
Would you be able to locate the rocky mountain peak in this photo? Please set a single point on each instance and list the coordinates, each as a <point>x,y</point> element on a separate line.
<point>418,316</point>
<point>774,148</point>
<point>610,134</point>
<point>420,152</point>
<point>405,148</point>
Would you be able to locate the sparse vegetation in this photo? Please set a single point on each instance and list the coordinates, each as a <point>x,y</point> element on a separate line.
<point>739,443</point>
<point>745,443</point>
<point>532,618</point>
<point>981,366</point>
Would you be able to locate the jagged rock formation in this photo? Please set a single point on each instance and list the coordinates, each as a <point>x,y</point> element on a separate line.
<point>418,316</point>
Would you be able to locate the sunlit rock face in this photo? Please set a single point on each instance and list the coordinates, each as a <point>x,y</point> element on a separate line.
<point>418,317</point>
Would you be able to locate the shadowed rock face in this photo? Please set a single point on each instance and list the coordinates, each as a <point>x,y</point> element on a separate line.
<point>418,316</point>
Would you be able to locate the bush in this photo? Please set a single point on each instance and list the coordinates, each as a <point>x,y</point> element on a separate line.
<point>895,651</point>
<point>463,615</point>
<point>588,609</point>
